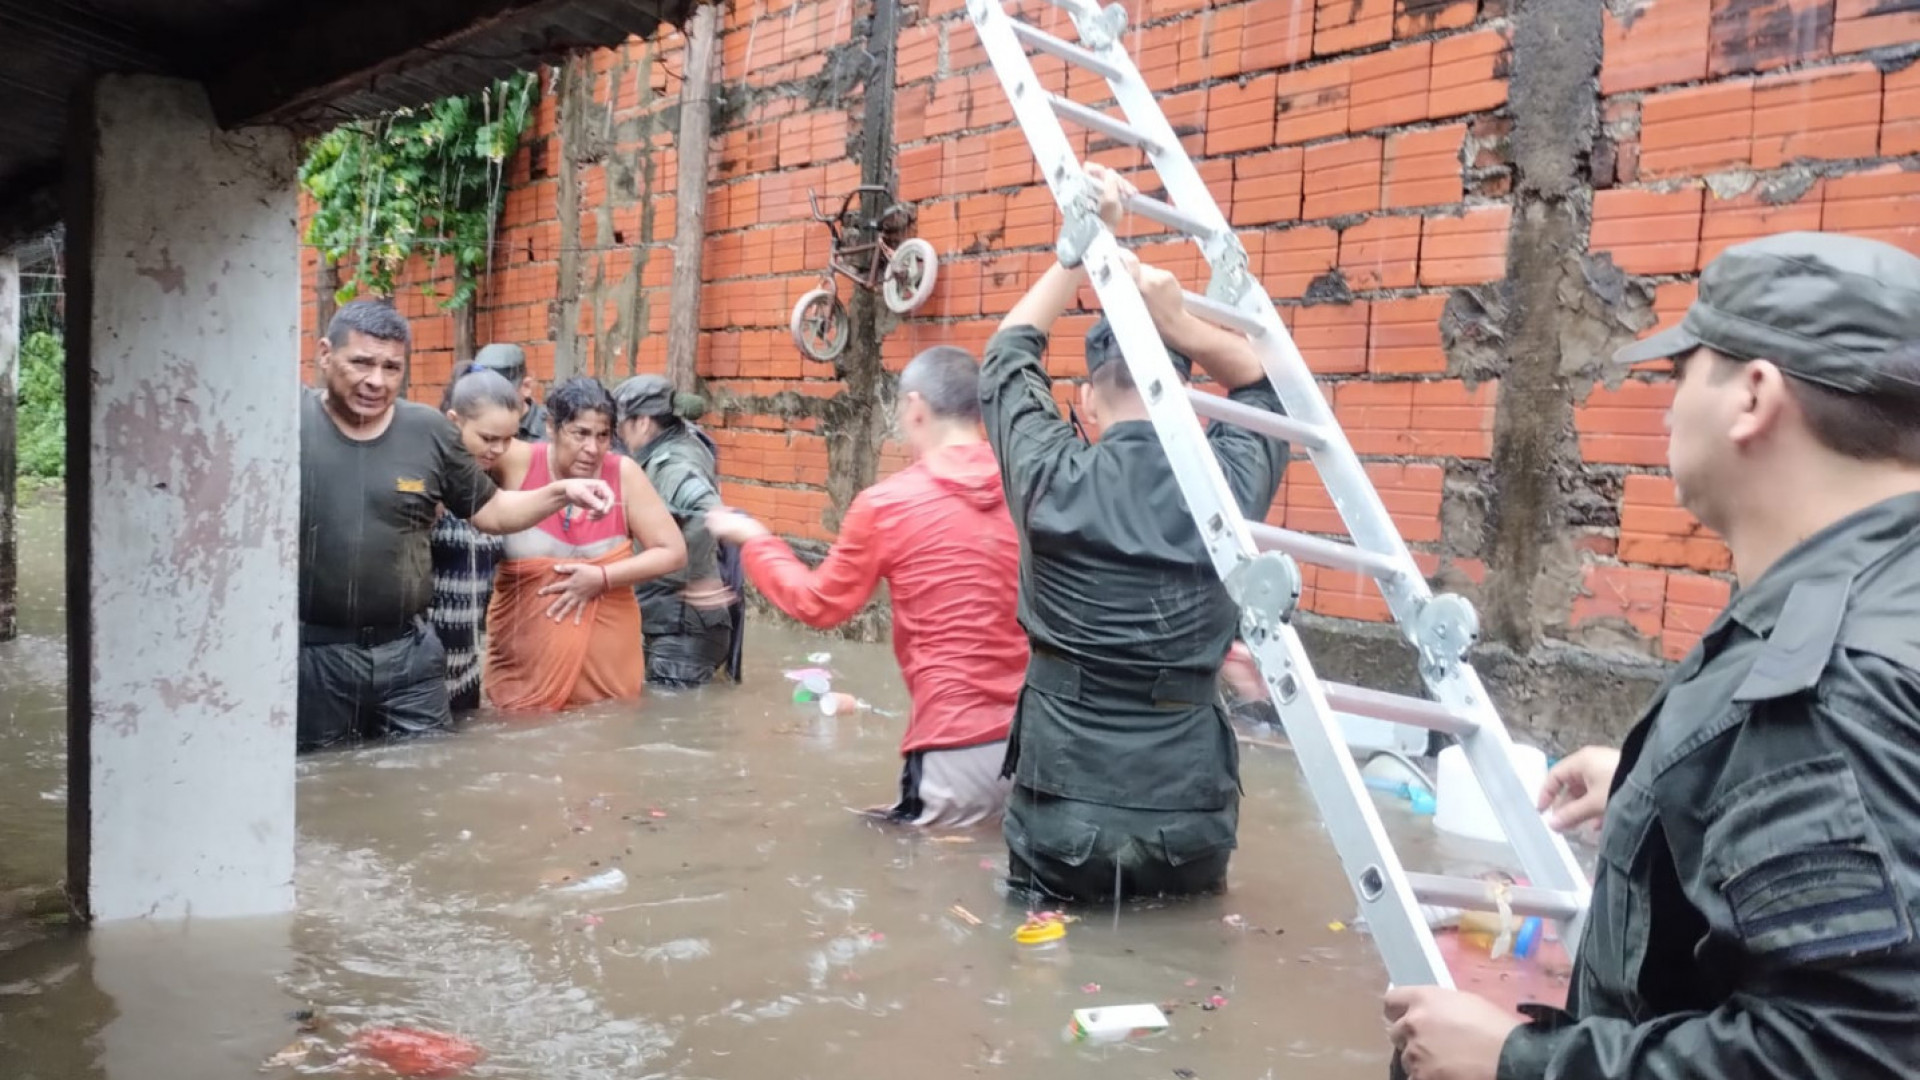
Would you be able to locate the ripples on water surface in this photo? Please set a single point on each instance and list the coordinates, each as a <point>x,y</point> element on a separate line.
<point>755,927</point>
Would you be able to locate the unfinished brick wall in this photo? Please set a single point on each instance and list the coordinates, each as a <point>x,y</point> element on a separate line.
<point>1461,207</point>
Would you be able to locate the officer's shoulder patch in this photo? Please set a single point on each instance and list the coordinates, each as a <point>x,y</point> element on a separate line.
<point>1803,871</point>
<point>1802,641</point>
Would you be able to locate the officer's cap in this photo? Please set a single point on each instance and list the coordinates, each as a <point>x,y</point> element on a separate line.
<point>643,395</point>
<point>1824,307</point>
<point>509,360</point>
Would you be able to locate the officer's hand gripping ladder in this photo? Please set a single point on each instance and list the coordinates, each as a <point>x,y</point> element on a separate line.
<point>1256,560</point>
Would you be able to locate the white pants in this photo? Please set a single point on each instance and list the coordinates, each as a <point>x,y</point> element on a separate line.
<point>953,789</point>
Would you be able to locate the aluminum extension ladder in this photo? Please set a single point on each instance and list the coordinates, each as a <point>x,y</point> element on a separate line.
<point>1256,560</point>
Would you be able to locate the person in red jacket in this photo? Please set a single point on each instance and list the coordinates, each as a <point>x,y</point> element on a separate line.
<point>939,533</point>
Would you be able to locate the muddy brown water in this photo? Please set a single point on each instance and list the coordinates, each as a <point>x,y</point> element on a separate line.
<point>760,928</point>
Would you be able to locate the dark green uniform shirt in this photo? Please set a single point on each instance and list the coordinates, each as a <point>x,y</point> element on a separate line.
<point>1754,904</point>
<point>1128,620</point>
<point>367,511</point>
<point>681,468</point>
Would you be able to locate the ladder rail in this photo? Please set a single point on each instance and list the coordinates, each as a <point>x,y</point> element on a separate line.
<point>1229,542</point>
<point>1360,840</point>
<point>1440,628</point>
<point>1488,746</point>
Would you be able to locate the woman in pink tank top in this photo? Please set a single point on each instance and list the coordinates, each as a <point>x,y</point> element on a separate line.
<point>563,628</point>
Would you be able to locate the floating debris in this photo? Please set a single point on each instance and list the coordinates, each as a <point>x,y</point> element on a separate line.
<point>416,1052</point>
<point>293,1054</point>
<point>964,915</point>
<point>612,880</point>
<point>1090,988</point>
<point>1117,1022</point>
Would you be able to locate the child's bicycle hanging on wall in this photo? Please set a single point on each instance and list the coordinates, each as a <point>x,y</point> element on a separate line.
<point>872,254</point>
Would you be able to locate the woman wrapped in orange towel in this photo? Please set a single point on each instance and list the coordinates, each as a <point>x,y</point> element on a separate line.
<point>563,628</point>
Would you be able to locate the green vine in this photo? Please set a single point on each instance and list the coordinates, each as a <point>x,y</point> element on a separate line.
<point>427,180</point>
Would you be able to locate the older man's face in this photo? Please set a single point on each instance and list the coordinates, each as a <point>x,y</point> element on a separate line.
<point>363,375</point>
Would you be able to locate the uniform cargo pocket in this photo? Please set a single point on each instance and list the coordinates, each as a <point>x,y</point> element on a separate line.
<point>1197,837</point>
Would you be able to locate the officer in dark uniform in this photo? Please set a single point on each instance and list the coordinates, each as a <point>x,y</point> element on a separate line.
<point>1759,874</point>
<point>694,618</point>
<point>1125,768</point>
<point>510,361</point>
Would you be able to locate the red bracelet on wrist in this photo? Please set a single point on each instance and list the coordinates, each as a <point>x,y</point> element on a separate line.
<point>606,580</point>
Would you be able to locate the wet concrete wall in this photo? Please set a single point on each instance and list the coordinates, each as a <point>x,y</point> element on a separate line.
<point>1461,206</point>
<point>182,287</point>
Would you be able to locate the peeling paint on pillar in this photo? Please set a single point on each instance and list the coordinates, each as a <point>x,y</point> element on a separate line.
<point>192,490</point>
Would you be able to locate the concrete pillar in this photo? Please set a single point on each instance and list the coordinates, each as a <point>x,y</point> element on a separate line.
<point>9,435</point>
<point>184,316</point>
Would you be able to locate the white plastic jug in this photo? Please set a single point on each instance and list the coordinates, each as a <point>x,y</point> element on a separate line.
<point>1463,808</point>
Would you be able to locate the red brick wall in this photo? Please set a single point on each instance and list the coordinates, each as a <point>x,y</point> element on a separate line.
<point>1360,145</point>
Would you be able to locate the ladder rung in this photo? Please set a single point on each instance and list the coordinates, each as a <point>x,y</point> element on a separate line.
<point>1169,215</point>
<point>1321,552</point>
<point>1071,53</point>
<point>1397,709</point>
<point>1096,120</point>
<point>1224,315</point>
<point>1214,407</point>
<point>1476,895</point>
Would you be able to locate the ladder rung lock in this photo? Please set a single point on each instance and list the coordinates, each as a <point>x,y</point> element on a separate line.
<point>1215,407</point>
<point>1476,895</point>
<point>1071,53</point>
<point>1397,709</point>
<point>1321,552</point>
<point>1224,315</point>
<point>1171,216</point>
<point>1095,120</point>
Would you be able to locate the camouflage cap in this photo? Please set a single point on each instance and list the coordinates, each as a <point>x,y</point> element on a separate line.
<point>1824,307</point>
<point>642,395</point>
<point>509,360</point>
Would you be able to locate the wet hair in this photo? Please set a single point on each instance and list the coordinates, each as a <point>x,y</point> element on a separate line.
<point>1107,366</point>
<point>576,397</point>
<point>1874,427</point>
<point>476,387</point>
<point>374,318</point>
<point>948,379</point>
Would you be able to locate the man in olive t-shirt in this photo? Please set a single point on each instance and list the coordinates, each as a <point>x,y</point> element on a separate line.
<point>373,470</point>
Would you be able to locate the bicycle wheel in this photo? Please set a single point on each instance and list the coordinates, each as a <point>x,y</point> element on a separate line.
<point>820,325</point>
<point>910,276</point>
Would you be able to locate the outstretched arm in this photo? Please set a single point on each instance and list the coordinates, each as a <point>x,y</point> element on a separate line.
<point>823,597</point>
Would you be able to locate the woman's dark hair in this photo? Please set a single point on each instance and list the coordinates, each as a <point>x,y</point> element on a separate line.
<point>475,387</point>
<point>577,396</point>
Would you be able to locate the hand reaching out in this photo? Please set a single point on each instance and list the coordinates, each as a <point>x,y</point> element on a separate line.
<point>1577,787</point>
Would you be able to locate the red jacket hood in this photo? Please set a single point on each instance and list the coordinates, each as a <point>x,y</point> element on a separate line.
<point>968,469</point>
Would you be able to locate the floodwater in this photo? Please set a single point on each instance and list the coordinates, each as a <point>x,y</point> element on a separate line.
<point>754,926</point>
